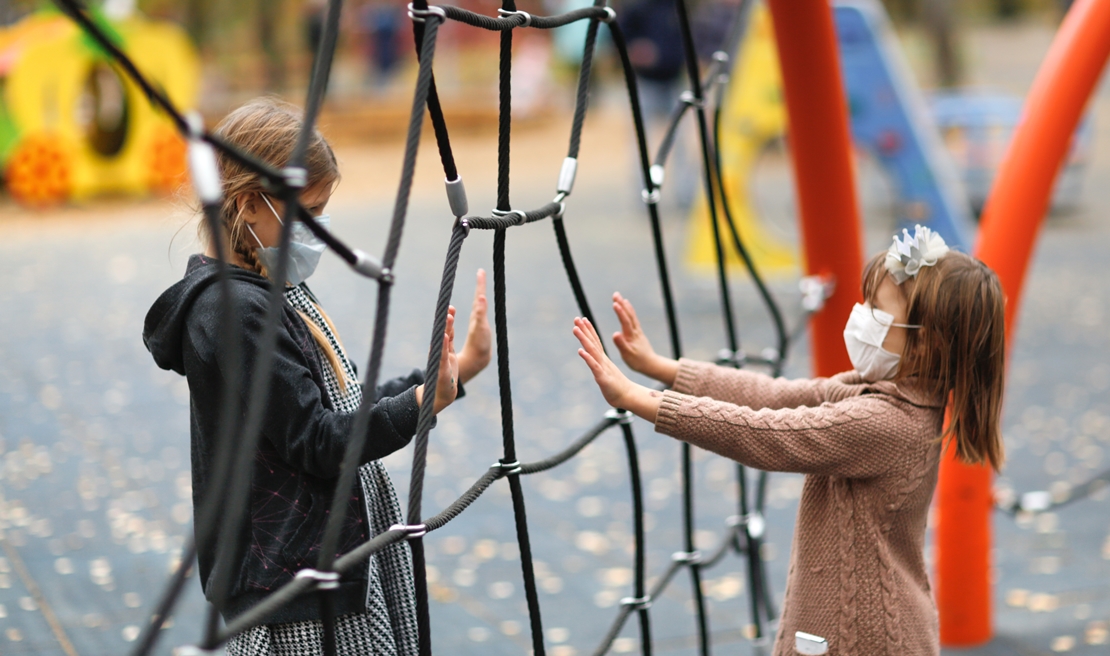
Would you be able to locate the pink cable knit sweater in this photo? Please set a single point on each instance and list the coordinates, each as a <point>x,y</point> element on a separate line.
<point>857,573</point>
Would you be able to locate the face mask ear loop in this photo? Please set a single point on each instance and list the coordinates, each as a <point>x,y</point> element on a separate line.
<point>270,205</point>
<point>254,235</point>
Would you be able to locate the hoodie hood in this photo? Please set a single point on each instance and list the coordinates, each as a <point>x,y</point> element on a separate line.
<point>165,321</point>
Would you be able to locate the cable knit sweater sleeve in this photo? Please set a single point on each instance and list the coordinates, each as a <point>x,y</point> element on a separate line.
<point>750,388</point>
<point>858,437</point>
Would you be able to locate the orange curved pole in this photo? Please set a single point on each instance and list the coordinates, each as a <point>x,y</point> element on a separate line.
<point>821,150</point>
<point>1009,228</point>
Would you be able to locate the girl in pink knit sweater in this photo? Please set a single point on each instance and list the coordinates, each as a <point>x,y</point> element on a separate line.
<point>930,334</point>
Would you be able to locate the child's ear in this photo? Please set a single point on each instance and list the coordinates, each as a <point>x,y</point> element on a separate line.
<point>245,206</point>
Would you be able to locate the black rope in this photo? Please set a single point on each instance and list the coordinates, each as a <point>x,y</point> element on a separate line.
<point>651,191</point>
<point>512,21</point>
<point>439,124</point>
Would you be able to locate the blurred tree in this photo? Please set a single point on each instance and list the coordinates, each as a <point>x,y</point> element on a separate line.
<point>266,20</point>
<point>939,17</point>
<point>939,20</point>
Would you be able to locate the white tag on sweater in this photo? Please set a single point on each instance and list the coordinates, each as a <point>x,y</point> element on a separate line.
<point>809,644</point>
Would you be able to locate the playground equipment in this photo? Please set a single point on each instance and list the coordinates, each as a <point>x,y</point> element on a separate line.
<point>71,126</point>
<point>888,118</point>
<point>977,126</point>
<point>1011,221</point>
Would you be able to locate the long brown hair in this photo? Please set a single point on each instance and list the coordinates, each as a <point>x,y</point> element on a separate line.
<point>959,353</point>
<point>268,128</point>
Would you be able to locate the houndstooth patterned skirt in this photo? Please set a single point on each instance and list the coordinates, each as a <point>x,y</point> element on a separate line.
<point>388,627</point>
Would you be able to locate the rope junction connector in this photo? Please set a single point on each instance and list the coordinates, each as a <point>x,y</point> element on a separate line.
<point>558,215</point>
<point>386,276</point>
<point>1033,502</point>
<point>324,580</point>
<point>411,531</point>
<point>203,168</point>
<point>504,13</point>
<point>650,197</point>
<point>520,215</point>
<point>367,265</point>
<point>721,56</point>
<point>566,177</point>
<point>419,15</point>
<point>621,416</point>
<point>464,224</point>
<point>456,196</point>
<point>507,468</point>
<point>753,523</point>
<point>732,358</point>
<point>690,99</point>
<point>637,603</point>
<point>656,173</point>
<point>610,15</point>
<point>815,291</point>
<point>687,557</point>
<point>295,177</point>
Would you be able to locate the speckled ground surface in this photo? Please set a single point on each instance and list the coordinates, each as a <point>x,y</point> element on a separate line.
<point>94,483</point>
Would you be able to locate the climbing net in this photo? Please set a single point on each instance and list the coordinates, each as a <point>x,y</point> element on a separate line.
<point>219,516</point>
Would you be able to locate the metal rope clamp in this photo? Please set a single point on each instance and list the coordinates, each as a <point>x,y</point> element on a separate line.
<point>637,603</point>
<point>419,15</point>
<point>324,580</point>
<point>521,217</point>
<point>687,557</point>
<point>754,524</point>
<point>411,531</point>
<point>295,177</point>
<point>610,15</point>
<point>507,468</point>
<point>464,225</point>
<point>650,197</point>
<point>504,13</point>
<point>621,416</point>
<point>688,98</point>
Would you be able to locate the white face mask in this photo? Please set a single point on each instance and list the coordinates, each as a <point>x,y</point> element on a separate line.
<point>864,335</point>
<point>304,248</point>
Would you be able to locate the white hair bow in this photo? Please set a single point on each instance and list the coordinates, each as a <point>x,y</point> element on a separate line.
<point>907,255</point>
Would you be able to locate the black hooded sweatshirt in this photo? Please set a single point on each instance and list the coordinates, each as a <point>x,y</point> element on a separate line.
<point>302,444</point>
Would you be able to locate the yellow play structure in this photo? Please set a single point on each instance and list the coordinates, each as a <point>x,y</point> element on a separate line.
<point>754,116</point>
<point>73,126</point>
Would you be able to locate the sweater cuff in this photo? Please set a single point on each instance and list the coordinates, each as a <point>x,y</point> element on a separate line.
<point>686,380</point>
<point>666,421</point>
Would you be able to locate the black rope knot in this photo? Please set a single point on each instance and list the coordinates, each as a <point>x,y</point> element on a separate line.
<point>323,580</point>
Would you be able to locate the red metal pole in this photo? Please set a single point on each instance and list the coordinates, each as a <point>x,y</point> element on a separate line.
<point>821,150</point>
<point>1009,228</point>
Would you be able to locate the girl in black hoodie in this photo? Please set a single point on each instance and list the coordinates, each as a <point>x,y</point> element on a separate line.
<point>308,418</point>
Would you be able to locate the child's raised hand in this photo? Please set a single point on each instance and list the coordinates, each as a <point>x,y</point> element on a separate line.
<point>613,383</point>
<point>475,353</point>
<point>636,349</point>
<point>618,391</point>
<point>447,382</point>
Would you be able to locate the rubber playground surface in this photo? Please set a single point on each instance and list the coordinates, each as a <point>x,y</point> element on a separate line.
<point>94,451</point>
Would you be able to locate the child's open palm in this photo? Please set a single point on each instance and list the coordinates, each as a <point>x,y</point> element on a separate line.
<point>636,349</point>
<point>476,352</point>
